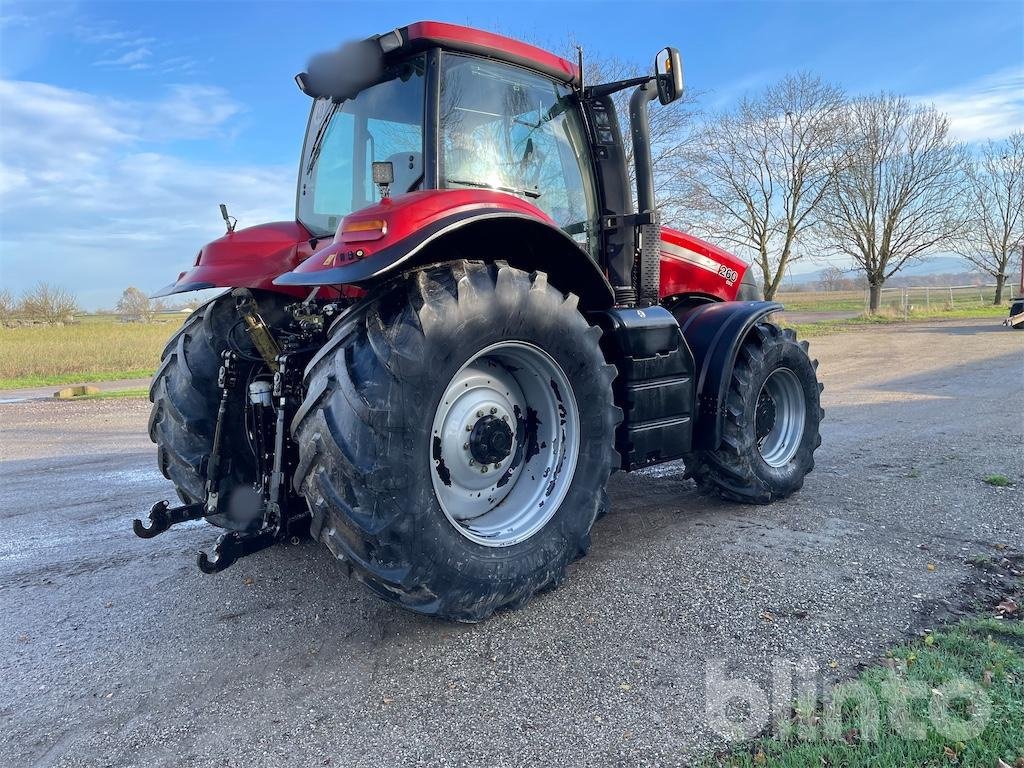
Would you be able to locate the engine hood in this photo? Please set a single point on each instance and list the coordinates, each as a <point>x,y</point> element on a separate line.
<point>247,258</point>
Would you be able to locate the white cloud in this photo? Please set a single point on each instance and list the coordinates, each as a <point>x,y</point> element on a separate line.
<point>106,33</point>
<point>726,95</point>
<point>989,108</point>
<point>183,64</point>
<point>91,198</point>
<point>193,112</point>
<point>133,59</point>
<point>130,49</point>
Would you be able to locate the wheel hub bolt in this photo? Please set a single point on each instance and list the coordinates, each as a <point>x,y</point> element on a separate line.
<point>491,441</point>
<point>493,411</point>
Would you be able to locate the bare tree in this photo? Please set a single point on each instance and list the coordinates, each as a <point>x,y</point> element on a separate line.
<point>7,306</point>
<point>764,168</point>
<point>994,234</point>
<point>899,194</point>
<point>135,306</point>
<point>832,278</point>
<point>48,304</point>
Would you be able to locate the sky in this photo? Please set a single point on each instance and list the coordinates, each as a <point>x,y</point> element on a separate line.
<point>123,125</point>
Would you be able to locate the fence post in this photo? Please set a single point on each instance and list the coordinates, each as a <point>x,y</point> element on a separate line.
<point>950,297</point>
<point>927,298</point>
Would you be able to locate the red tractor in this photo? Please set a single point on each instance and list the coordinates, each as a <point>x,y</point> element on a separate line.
<point>469,326</point>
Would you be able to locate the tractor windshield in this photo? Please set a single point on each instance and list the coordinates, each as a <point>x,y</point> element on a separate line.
<point>384,122</point>
<point>506,128</point>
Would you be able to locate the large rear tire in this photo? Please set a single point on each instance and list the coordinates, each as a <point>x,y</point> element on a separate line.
<point>457,437</point>
<point>186,396</point>
<point>771,425</point>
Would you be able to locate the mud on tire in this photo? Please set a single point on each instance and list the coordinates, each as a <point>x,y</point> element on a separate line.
<point>365,437</point>
<point>737,470</point>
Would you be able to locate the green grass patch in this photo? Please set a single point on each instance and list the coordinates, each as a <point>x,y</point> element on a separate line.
<point>86,377</point>
<point>960,313</point>
<point>934,301</point>
<point>954,697</point>
<point>997,480</point>
<point>823,301</point>
<point>40,356</point>
<point>827,327</point>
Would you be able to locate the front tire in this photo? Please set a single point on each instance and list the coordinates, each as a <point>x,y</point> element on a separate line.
<point>457,438</point>
<point>771,423</point>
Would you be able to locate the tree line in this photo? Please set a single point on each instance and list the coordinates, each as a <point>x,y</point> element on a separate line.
<point>50,305</point>
<point>43,303</point>
<point>801,170</point>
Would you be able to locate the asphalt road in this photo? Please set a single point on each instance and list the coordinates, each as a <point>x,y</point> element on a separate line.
<point>117,651</point>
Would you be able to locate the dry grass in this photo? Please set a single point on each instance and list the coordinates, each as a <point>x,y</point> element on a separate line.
<point>44,355</point>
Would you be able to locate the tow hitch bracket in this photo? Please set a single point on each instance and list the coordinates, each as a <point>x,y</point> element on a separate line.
<point>284,515</point>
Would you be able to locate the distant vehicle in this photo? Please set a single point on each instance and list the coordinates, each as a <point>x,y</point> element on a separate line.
<point>1016,318</point>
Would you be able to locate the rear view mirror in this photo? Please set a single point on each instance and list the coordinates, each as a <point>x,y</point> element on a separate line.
<point>668,70</point>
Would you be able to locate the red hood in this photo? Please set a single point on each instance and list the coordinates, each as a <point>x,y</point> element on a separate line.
<point>247,258</point>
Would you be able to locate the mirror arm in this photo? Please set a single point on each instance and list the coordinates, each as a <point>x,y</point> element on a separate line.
<point>606,89</point>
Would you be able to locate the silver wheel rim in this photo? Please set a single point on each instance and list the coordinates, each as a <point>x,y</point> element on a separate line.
<point>513,391</point>
<point>780,416</point>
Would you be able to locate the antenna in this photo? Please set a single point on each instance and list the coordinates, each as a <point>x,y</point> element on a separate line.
<point>579,64</point>
<point>229,221</point>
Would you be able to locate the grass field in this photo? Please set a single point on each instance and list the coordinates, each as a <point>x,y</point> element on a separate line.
<point>922,301</point>
<point>974,671</point>
<point>103,349</point>
<point>826,327</point>
<point>37,356</point>
<point>823,301</point>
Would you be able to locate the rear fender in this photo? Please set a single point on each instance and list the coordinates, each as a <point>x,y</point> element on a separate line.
<point>715,332</point>
<point>486,226</point>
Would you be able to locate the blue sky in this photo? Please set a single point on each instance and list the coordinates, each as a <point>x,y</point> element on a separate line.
<point>122,125</point>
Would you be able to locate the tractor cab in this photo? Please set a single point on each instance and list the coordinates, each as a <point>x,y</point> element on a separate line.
<point>448,119</point>
<point>432,107</point>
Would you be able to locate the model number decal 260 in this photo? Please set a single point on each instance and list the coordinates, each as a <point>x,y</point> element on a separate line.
<point>730,274</point>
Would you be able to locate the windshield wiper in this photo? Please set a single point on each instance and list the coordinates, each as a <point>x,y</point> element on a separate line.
<point>534,193</point>
<point>321,134</point>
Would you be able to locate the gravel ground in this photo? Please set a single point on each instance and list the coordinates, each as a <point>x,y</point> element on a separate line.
<point>117,651</point>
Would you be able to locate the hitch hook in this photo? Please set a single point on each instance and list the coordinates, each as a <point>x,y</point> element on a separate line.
<point>230,547</point>
<point>162,516</point>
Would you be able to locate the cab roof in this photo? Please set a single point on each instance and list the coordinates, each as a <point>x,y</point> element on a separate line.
<point>428,34</point>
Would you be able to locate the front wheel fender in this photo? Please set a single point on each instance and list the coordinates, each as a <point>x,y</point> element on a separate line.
<point>715,332</point>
